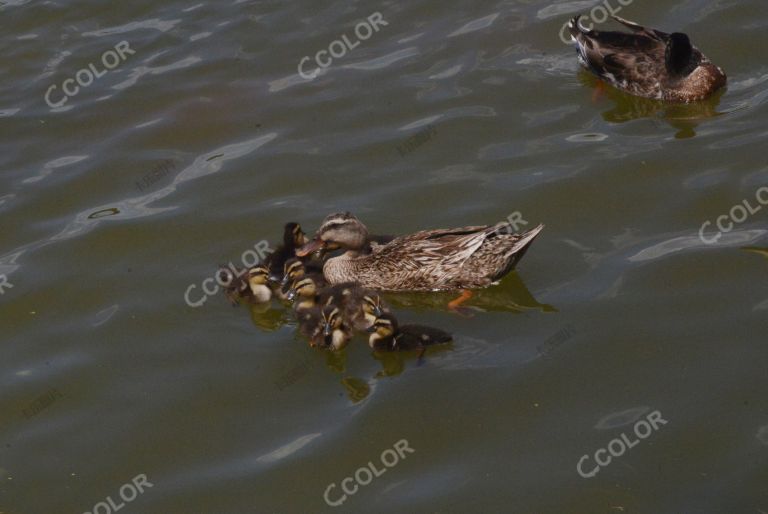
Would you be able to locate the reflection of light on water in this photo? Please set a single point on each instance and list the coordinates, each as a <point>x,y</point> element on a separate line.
<point>621,418</point>
<point>104,315</point>
<point>474,25</point>
<point>288,449</point>
<point>736,238</point>
<point>48,167</point>
<point>103,213</point>
<point>587,138</point>
<point>762,435</point>
<point>467,353</point>
<point>136,207</point>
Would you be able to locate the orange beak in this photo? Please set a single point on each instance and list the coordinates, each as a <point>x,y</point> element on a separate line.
<point>310,247</point>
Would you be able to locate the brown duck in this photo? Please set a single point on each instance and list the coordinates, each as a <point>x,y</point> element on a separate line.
<point>430,260</point>
<point>647,62</point>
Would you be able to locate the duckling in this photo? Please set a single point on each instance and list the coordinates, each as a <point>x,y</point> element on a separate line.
<point>233,283</point>
<point>388,335</point>
<point>336,333</point>
<point>293,238</point>
<point>258,284</point>
<point>359,307</point>
<point>304,294</point>
<point>372,307</point>
<point>324,327</point>
<point>647,62</point>
<point>296,269</point>
<point>310,325</point>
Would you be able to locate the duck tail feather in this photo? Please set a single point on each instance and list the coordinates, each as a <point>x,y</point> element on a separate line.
<point>629,24</point>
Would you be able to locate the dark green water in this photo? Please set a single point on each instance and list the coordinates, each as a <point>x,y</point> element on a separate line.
<point>205,140</point>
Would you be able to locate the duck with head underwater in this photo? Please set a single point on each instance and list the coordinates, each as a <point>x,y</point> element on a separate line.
<point>647,62</point>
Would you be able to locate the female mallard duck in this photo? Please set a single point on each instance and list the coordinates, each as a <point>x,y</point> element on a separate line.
<point>388,335</point>
<point>647,62</point>
<point>461,258</point>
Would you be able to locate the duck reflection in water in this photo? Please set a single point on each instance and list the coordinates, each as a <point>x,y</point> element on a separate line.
<point>683,117</point>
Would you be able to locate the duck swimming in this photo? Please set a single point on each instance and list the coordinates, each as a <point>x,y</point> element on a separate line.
<point>359,307</point>
<point>251,284</point>
<point>431,260</point>
<point>293,238</point>
<point>388,335</point>
<point>647,62</point>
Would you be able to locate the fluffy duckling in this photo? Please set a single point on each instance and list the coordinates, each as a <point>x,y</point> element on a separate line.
<point>647,62</point>
<point>233,283</point>
<point>324,327</point>
<point>304,294</point>
<point>258,284</point>
<point>359,307</point>
<point>336,333</point>
<point>251,284</point>
<point>293,238</point>
<point>296,269</point>
<point>372,307</point>
<point>388,335</point>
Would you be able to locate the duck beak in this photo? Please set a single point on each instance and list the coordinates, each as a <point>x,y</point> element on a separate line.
<point>327,330</point>
<point>310,247</point>
<point>275,279</point>
<point>291,296</point>
<point>377,311</point>
<point>371,329</point>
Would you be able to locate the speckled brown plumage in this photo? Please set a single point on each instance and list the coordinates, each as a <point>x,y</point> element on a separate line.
<point>648,62</point>
<point>430,260</point>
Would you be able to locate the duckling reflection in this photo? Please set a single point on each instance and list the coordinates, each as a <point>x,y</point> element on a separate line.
<point>683,117</point>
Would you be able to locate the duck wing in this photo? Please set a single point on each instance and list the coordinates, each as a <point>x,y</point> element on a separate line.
<point>625,59</point>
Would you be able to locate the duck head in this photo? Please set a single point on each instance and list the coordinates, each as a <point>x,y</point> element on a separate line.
<point>258,278</point>
<point>293,236</point>
<point>678,55</point>
<point>383,329</point>
<point>335,334</point>
<point>372,307</point>
<point>340,230</point>
<point>304,290</point>
<point>293,270</point>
